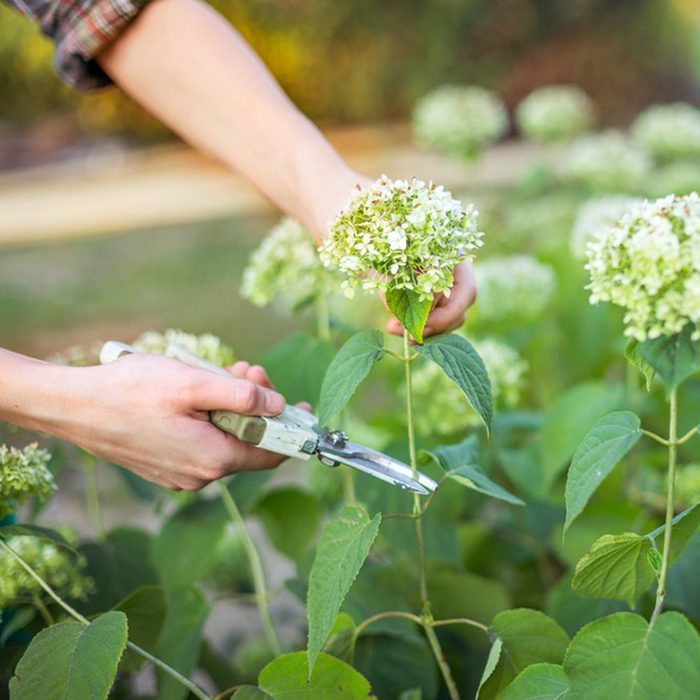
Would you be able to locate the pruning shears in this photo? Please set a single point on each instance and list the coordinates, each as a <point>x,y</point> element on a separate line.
<point>294,432</point>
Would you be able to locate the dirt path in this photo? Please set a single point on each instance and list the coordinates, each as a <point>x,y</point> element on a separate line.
<point>120,191</point>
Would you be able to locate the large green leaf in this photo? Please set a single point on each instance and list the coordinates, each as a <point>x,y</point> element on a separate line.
<point>180,639</point>
<point>296,367</point>
<point>72,660</point>
<point>342,549</point>
<point>568,420</point>
<point>528,637</point>
<point>610,439</point>
<point>623,657</point>
<point>291,517</point>
<point>287,678</point>
<point>538,682</point>
<point>617,567</point>
<point>145,610</point>
<point>41,533</point>
<point>185,548</point>
<point>459,360</point>
<point>410,309</point>
<point>347,371</point>
<point>673,358</point>
<point>461,464</point>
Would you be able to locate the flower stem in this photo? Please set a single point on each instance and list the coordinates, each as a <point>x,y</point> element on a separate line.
<point>93,496</point>
<point>672,455</point>
<point>38,603</point>
<point>417,510</point>
<point>256,568</point>
<point>194,689</point>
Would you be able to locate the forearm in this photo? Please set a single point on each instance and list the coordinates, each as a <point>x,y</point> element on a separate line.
<point>188,67</point>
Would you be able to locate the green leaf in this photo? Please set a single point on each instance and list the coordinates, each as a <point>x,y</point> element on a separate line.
<point>461,464</point>
<point>569,419</point>
<point>180,639</point>
<point>15,621</point>
<point>72,660</point>
<point>617,566</point>
<point>632,355</point>
<point>291,517</point>
<point>296,367</point>
<point>528,637</point>
<point>459,360</point>
<point>623,657</point>
<point>145,610</point>
<point>287,678</point>
<point>342,549</point>
<point>538,682</point>
<point>673,358</point>
<point>682,591</point>
<point>348,369</point>
<point>42,533</point>
<point>491,662</point>
<point>185,548</point>
<point>607,443</point>
<point>410,309</point>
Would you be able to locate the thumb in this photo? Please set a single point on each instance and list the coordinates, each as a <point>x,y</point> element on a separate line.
<point>237,395</point>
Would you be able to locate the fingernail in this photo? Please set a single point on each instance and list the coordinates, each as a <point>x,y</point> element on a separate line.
<point>274,403</point>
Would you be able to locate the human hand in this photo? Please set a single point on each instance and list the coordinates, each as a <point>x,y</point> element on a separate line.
<point>150,414</point>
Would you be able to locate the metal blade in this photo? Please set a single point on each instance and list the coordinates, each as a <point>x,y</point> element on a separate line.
<point>376,464</point>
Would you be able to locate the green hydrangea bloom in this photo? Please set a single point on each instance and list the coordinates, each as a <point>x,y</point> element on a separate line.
<point>459,120</point>
<point>62,570</point>
<point>286,269</point>
<point>669,131</point>
<point>649,264</point>
<point>555,113</point>
<point>594,216</point>
<point>441,407</point>
<point>207,346</point>
<point>407,234</point>
<point>606,162</point>
<point>23,474</point>
<point>513,288</point>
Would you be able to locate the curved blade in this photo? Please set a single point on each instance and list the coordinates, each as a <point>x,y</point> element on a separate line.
<point>377,464</point>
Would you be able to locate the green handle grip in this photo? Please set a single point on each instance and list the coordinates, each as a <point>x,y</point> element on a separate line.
<point>249,429</point>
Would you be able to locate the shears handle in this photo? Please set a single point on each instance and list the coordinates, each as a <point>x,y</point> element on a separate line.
<point>291,433</point>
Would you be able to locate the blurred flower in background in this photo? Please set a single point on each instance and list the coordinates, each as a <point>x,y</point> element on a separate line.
<point>207,346</point>
<point>555,113</point>
<point>669,132</point>
<point>459,120</point>
<point>679,177</point>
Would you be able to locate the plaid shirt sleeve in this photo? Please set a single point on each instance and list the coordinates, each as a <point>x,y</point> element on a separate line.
<point>80,29</point>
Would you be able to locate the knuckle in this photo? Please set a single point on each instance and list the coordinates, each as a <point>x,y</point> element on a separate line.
<point>246,396</point>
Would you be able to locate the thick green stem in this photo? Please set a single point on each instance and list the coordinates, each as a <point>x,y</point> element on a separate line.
<point>670,510</point>
<point>256,568</point>
<point>93,496</point>
<point>349,486</point>
<point>194,689</point>
<point>417,510</point>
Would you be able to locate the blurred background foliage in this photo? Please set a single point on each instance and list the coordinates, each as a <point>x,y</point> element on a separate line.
<point>346,62</point>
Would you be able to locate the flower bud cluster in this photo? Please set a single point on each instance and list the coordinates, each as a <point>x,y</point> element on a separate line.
<point>23,474</point>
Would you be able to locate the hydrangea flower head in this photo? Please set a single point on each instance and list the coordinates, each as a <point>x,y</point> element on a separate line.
<point>62,570</point>
<point>669,131</point>
<point>596,215</point>
<point>459,120</point>
<point>513,288</point>
<point>207,346</point>
<point>649,264</point>
<point>409,235</point>
<point>606,162</point>
<point>555,113</point>
<point>23,474</point>
<point>286,269</point>
<point>443,409</point>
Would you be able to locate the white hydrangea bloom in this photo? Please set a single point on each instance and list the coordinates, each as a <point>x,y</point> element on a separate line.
<point>555,113</point>
<point>606,162</point>
<point>285,268</point>
<point>513,288</point>
<point>62,570</point>
<point>649,264</point>
<point>459,119</point>
<point>594,216</point>
<point>207,346</point>
<point>23,474</point>
<point>669,131</point>
<point>407,234</point>
<point>441,407</point>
